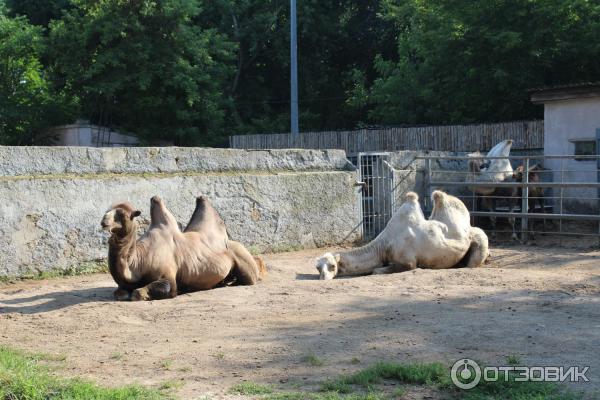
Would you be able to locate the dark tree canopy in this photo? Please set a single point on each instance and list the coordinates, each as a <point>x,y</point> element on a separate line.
<point>28,104</point>
<point>191,72</point>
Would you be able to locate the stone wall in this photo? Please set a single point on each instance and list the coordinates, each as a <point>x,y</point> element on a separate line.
<point>53,198</point>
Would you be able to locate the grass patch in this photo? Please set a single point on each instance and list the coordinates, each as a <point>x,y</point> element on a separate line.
<point>502,390</point>
<point>166,364</point>
<point>49,357</point>
<point>250,388</point>
<point>254,250</point>
<point>313,360</point>
<point>326,396</point>
<point>398,393</point>
<point>21,377</point>
<point>84,268</point>
<point>431,373</point>
<point>360,386</point>
<point>116,356</point>
<point>355,361</point>
<point>219,355</point>
<point>171,384</point>
<point>513,359</point>
<point>286,248</point>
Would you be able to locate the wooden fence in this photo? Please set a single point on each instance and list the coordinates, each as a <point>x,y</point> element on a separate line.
<point>526,135</point>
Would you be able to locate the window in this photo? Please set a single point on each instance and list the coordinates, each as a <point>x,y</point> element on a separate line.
<point>585,148</point>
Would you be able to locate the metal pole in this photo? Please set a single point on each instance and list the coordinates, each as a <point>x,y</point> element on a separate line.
<point>598,169</point>
<point>294,69</point>
<point>525,200</point>
<point>428,185</point>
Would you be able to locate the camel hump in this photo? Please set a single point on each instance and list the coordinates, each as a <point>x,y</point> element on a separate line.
<point>437,195</point>
<point>411,196</point>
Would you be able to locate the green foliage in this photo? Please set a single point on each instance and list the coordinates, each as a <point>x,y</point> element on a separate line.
<point>432,373</point>
<point>313,360</point>
<point>27,102</point>
<point>191,72</point>
<point>22,378</point>
<point>513,359</point>
<point>512,390</point>
<point>459,62</point>
<point>143,67</point>
<point>84,268</point>
<point>250,388</point>
<point>38,12</point>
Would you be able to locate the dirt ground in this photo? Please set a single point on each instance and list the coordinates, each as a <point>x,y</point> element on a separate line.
<point>540,303</point>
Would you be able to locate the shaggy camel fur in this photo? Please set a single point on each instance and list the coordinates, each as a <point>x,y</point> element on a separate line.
<point>409,240</point>
<point>452,212</point>
<point>166,260</point>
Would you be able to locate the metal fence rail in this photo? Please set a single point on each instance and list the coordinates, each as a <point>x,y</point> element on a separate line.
<point>566,192</point>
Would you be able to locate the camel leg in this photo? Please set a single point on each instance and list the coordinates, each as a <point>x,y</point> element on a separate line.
<point>383,270</point>
<point>512,208</point>
<point>404,266</point>
<point>246,269</point>
<point>121,294</point>
<point>157,290</point>
<point>489,204</point>
<point>479,251</point>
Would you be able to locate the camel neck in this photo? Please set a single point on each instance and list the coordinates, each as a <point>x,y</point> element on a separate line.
<point>122,253</point>
<point>361,260</point>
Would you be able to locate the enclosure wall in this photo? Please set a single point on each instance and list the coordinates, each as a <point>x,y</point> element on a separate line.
<point>53,198</point>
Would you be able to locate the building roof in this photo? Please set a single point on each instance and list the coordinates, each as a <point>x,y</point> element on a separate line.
<point>565,92</point>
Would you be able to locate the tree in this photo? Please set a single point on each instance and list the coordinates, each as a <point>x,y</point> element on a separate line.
<point>334,39</point>
<point>143,67</point>
<point>463,62</point>
<point>38,12</point>
<point>28,104</point>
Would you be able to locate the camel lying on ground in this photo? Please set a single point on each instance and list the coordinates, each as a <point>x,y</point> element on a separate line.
<point>166,261</point>
<point>409,241</point>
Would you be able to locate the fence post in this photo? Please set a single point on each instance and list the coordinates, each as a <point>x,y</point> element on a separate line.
<point>427,183</point>
<point>525,200</point>
<point>598,172</point>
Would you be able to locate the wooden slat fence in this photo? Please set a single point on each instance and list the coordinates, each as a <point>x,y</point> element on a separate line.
<point>526,135</point>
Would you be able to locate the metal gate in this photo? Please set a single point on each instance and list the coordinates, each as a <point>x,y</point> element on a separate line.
<point>376,177</point>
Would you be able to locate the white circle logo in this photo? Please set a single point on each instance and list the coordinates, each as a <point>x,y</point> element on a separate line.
<point>465,374</point>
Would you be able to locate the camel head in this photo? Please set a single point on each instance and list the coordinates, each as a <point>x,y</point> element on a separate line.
<point>119,219</point>
<point>533,173</point>
<point>327,265</point>
<point>475,162</point>
<point>501,149</point>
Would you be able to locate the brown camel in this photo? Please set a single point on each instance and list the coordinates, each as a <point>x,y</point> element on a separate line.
<point>166,261</point>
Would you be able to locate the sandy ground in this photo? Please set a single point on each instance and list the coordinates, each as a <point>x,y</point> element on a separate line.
<point>540,303</point>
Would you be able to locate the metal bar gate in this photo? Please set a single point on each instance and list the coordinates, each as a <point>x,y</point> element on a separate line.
<point>377,197</point>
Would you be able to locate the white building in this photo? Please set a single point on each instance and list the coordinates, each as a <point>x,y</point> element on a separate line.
<point>84,134</point>
<point>572,128</point>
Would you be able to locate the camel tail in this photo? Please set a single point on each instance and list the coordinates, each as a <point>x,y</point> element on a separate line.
<point>262,267</point>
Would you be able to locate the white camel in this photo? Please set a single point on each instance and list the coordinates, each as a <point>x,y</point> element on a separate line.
<point>496,170</point>
<point>485,169</point>
<point>409,240</point>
